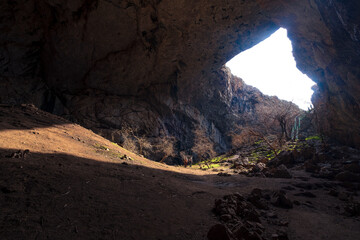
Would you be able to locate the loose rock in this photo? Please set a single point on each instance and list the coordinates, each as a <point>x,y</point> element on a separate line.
<point>280,200</point>
<point>218,232</point>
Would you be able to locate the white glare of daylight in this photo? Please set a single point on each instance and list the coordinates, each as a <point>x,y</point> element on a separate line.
<point>270,67</point>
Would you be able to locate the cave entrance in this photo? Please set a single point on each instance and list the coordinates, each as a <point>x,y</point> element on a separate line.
<point>270,66</point>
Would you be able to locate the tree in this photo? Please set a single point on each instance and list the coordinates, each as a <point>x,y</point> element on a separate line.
<point>285,117</point>
<point>203,147</point>
<point>273,125</point>
<point>166,145</point>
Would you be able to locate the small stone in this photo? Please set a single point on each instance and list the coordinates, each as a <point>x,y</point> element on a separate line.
<point>280,200</point>
<point>222,174</point>
<point>353,167</point>
<point>251,215</point>
<point>253,236</point>
<point>231,211</point>
<point>25,153</point>
<point>283,223</point>
<point>307,186</point>
<point>280,172</point>
<point>306,194</point>
<point>353,209</point>
<point>239,196</point>
<point>19,154</point>
<point>343,196</point>
<point>219,202</point>
<point>256,192</point>
<point>326,172</point>
<point>241,232</point>
<point>274,237</point>
<point>282,235</point>
<point>333,193</point>
<point>221,209</point>
<point>286,158</point>
<point>289,188</point>
<point>308,153</point>
<point>271,215</point>
<point>311,167</point>
<point>309,204</point>
<point>259,225</point>
<point>258,202</point>
<point>348,177</point>
<point>226,217</point>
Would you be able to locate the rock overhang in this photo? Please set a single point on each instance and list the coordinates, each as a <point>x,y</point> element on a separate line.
<point>94,56</point>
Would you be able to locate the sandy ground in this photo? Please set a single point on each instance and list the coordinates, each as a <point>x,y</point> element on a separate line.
<point>74,184</point>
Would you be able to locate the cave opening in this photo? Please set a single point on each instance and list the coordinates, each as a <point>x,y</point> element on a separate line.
<point>270,66</point>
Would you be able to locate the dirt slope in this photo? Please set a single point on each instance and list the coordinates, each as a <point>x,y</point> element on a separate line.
<point>74,184</point>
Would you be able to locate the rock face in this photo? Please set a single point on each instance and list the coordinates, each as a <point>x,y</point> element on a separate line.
<point>154,69</point>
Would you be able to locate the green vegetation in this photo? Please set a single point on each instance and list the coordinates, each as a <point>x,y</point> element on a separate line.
<point>210,166</point>
<point>110,152</point>
<point>318,138</point>
<point>101,147</point>
<point>259,151</point>
<point>263,151</point>
<point>258,155</point>
<point>258,142</point>
<point>218,159</point>
<point>211,163</point>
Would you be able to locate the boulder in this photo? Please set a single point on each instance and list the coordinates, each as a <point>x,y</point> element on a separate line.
<point>223,174</point>
<point>279,199</point>
<point>243,233</point>
<point>218,232</point>
<point>353,167</point>
<point>311,166</point>
<point>280,172</point>
<point>348,176</point>
<point>352,209</point>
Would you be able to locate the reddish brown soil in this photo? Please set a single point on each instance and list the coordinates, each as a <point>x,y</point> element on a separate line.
<point>71,187</point>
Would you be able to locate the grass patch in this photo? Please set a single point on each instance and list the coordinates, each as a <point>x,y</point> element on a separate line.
<point>110,152</point>
<point>218,159</point>
<point>101,147</point>
<point>210,166</point>
<point>211,163</point>
<point>318,138</point>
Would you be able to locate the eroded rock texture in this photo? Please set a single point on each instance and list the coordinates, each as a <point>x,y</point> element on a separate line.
<point>154,67</point>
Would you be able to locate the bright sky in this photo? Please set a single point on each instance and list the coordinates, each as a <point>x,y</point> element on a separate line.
<point>270,67</point>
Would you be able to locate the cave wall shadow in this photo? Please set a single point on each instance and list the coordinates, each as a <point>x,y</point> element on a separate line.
<point>47,195</point>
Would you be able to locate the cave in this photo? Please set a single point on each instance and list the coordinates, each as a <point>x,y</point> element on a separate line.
<point>104,64</point>
<point>150,76</point>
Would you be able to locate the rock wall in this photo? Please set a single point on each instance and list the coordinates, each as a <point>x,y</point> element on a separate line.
<point>154,67</point>
<point>338,77</point>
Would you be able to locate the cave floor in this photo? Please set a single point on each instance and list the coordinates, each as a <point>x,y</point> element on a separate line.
<point>74,184</point>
